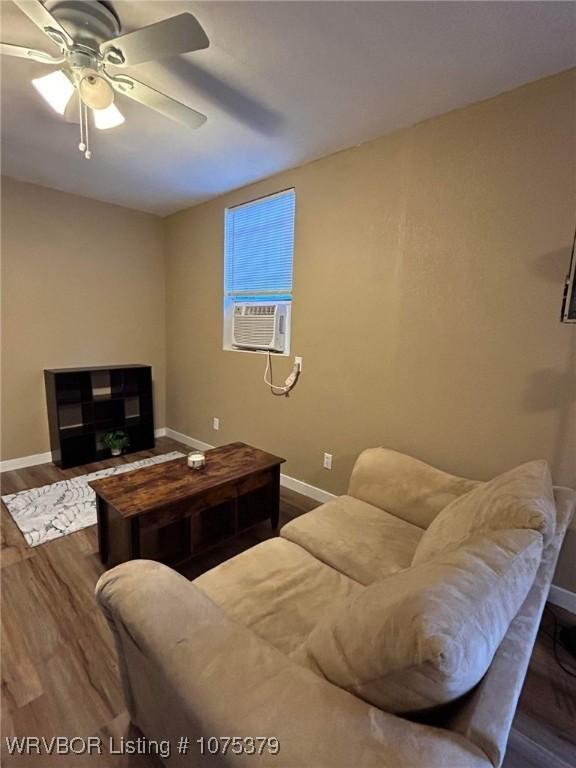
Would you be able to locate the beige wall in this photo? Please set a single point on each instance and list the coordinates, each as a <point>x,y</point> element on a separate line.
<point>82,284</point>
<point>427,281</point>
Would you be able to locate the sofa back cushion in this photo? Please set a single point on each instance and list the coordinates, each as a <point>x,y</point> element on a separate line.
<point>427,635</point>
<point>406,487</point>
<point>520,498</point>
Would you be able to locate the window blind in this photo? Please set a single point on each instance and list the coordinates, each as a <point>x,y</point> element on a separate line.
<point>259,248</point>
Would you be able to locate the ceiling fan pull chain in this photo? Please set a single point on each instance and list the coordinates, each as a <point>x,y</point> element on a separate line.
<point>82,145</point>
<point>88,153</point>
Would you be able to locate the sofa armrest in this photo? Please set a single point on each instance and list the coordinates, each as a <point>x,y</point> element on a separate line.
<point>404,486</point>
<point>188,669</point>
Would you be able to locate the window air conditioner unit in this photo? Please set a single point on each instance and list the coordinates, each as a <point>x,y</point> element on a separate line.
<point>260,326</point>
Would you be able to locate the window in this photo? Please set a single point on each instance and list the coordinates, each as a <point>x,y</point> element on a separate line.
<point>258,255</point>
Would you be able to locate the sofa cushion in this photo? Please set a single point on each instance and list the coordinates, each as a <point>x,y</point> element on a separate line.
<point>404,486</point>
<point>277,589</point>
<point>520,498</point>
<point>361,541</point>
<point>427,635</point>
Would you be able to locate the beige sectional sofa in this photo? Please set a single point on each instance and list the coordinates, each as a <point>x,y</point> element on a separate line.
<point>390,627</point>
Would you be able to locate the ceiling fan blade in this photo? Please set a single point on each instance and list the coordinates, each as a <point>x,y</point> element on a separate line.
<point>6,49</point>
<point>41,16</point>
<point>157,101</point>
<point>179,34</point>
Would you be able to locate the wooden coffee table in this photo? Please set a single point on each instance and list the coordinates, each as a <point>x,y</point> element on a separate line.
<point>170,512</point>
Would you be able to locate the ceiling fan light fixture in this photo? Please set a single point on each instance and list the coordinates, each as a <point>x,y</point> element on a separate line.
<point>94,91</point>
<point>56,89</point>
<point>108,118</point>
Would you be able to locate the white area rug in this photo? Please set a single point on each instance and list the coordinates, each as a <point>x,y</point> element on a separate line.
<point>61,508</point>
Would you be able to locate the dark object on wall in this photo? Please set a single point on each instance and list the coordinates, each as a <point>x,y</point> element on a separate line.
<point>84,404</point>
<point>569,298</point>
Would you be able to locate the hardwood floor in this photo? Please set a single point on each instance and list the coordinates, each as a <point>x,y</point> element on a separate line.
<point>544,729</point>
<point>59,672</point>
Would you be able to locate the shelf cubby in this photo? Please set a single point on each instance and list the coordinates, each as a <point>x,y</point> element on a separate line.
<point>100,384</point>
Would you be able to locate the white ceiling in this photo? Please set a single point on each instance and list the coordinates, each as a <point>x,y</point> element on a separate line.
<point>282,83</point>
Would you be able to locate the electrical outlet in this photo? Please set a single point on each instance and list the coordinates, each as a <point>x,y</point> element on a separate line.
<point>327,464</point>
<point>215,423</point>
<point>298,362</point>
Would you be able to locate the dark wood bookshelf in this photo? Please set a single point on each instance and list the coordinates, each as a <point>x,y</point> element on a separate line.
<point>86,403</point>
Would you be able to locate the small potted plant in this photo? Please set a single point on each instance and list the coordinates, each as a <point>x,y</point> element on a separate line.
<point>116,441</point>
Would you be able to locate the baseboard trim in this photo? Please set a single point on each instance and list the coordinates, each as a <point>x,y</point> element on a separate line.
<point>318,494</point>
<point>187,440</point>
<point>25,461</point>
<point>46,458</point>
<point>312,491</point>
<point>563,598</point>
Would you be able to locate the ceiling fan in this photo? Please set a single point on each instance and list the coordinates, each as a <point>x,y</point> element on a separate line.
<point>89,35</point>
